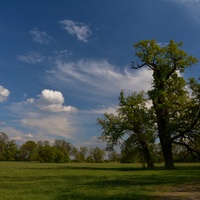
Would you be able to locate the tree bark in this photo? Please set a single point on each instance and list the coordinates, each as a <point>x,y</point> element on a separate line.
<point>167,152</point>
<point>165,137</point>
<point>147,155</point>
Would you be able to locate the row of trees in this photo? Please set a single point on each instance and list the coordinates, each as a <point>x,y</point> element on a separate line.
<point>173,119</point>
<point>43,151</point>
<point>61,152</point>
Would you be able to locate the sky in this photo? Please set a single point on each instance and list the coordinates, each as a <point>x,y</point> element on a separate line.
<point>63,63</point>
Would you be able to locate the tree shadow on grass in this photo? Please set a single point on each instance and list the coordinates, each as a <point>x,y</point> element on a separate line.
<point>124,188</point>
<point>125,168</point>
<point>103,197</point>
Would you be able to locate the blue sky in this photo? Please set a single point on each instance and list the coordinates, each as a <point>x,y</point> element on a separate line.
<point>63,63</point>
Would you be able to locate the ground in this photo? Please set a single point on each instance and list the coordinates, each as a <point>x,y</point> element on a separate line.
<point>183,192</point>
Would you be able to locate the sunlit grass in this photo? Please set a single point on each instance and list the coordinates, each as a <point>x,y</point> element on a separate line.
<point>36,181</point>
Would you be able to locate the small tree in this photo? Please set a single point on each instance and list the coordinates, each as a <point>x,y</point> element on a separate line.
<point>133,126</point>
<point>63,150</point>
<point>81,154</point>
<point>97,154</point>
<point>3,143</point>
<point>113,156</point>
<point>28,151</point>
<point>8,148</point>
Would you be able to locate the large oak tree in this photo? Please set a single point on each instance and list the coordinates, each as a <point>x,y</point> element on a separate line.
<point>169,95</point>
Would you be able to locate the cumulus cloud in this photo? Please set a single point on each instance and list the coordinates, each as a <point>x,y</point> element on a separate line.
<point>31,57</point>
<point>53,101</point>
<point>42,118</point>
<point>4,94</point>
<point>40,37</point>
<point>80,30</point>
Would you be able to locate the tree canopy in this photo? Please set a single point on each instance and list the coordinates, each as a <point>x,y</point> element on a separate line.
<point>175,113</point>
<point>168,92</point>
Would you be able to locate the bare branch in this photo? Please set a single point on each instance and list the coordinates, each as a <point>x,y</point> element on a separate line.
<point>188,129</point>
<point>142,65</point>
<point>192,151</point>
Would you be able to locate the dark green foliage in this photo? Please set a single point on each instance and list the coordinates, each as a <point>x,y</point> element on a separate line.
<point>8,148</point>
<point>113,156</point>
<point>28,151</point>
<point>81,154</point>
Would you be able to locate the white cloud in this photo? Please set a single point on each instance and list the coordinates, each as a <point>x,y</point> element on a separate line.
<point>36,123</point>
<point>94,142</point>
<point>13,133</point>
<point>50,126</point>
<point>61,54</point>
<point>104,109</point>
<point>4,94</point>
<point>80,30</point>
<point>40,37</point>
<point>28,135</point>
<point>31,57</point>
<point>185,1</point>
<point>53,101</point>
<point>95,79</point>
<point>191,7</point>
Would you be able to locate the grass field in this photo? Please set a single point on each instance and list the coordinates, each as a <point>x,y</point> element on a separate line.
<point>73,181</point>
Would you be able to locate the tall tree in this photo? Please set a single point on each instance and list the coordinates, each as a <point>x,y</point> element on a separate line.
<point>132,125</point>
<point>165,62</point>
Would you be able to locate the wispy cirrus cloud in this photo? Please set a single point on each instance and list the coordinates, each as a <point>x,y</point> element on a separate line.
<point>185,1</point>
<point>192,7</point>
<point>80,30</point>
<point>40,37</point>
<point>4,94</point>
<point>98,78</point>
<point>31,57</point>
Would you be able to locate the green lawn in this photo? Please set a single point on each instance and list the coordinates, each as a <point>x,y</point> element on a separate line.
<point>73,181</point>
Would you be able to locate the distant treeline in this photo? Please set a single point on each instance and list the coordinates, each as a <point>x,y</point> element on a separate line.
<point>62,151</point>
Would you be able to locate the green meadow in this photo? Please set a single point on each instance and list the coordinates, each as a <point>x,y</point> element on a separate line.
<point>112,181</point>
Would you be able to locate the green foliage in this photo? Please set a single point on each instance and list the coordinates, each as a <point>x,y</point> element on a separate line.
<point>62,150</point>
<point>133,127</point>
<point>80,155</point>
<point>8,148</point>
<point>113,156</point>
<point>97,155</point>
<point>171,101</point>
<point>28,151</point>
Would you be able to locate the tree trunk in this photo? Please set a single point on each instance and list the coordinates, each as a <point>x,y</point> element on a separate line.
<point>147,155</point>
<point>162,114</point>
<point>167,152</point>
<point>165,138</point>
